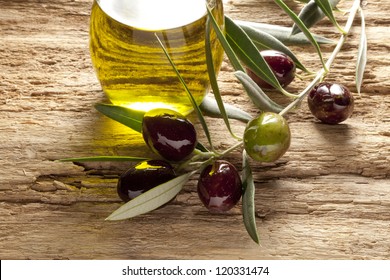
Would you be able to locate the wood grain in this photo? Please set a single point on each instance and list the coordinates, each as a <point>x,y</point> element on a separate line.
<point>327,198</point>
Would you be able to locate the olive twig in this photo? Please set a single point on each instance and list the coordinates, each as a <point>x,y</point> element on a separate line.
<point>202,164</point>
<point>196,159</point>
<point>203,154</point>
<point>199,155</point>
<point>232,148</point>
<point>324,71</point>
<point>305,76</point>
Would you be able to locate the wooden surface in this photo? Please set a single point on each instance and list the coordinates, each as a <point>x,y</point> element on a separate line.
<point>327,198</point>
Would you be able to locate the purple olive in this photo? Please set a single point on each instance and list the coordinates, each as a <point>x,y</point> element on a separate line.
<point>219,186</point>
<point>169,134</point>
<point>281,64</point>
<point>142,177</point>
<point>330,103</point>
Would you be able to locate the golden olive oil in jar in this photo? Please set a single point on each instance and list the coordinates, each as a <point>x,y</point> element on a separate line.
<point>130,63</point>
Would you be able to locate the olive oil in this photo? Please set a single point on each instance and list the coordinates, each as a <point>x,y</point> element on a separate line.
<point>130,63</point>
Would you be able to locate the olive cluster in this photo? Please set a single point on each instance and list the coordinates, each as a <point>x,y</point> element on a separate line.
<point>266,138</point>
<point>331,103</point>
<point>173,137</point>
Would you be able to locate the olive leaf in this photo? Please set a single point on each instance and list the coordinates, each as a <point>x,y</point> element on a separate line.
<point>201,147</point>
<point>104,158</point>
<point>190,96</point>
<point>362,54</point>
<point>248,199</point>
<point>327,9</point>
<point>282,33</point>
<point>264,40</point>
<point>210,108</point>
<point>128,117</point>
<point>213,78</point>
<point>255,93</point>
<point>248,53</point>
<point>311,14</point>
<point>226,46</point>
<point>150,200</point>
<point>304,29</point>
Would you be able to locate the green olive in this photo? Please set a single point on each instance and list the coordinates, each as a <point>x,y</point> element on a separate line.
<point>267,137</point>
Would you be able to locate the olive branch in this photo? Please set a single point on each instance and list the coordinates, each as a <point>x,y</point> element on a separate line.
<point>241,42</point>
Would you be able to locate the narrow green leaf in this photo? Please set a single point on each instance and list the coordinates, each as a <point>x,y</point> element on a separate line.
<point>258,97</point>
<point>244,41</point>
<point>248,53</point>
<point>190,96</point>
<point>128,117</point>
<point>213,78</point>
<point>248,199</point>
<point>311,14</point>
<point>226,46</point>
<point>327,9</point>
<point>151,199</point>
<point>104,158</point>
<point>304,29</point>
<point>210,108</point>
<point>362,54</point>
<point>264,40</point>
<point>282,33</point>
<point>201,147</point>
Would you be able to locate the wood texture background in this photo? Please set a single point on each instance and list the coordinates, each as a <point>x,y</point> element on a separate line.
<point>327,198</point>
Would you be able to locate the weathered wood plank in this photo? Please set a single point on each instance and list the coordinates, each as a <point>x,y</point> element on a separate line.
<point>328,197</point>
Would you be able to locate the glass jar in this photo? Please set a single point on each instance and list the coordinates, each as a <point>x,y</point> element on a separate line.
<point>130,63</point>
